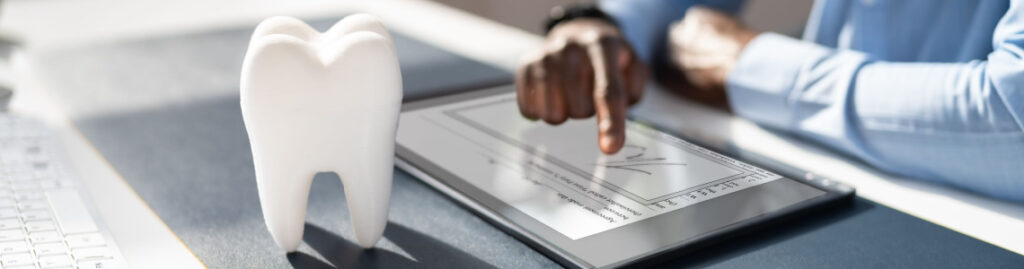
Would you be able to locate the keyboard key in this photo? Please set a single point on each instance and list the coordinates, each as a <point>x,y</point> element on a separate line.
<point>20,177</point>
<point>30,195</point>
<point>54,261</point>
<point>71,212</point>
<point>18,259</point>
<point>33,205</point>
<point>35,215</point>
<point>84,240</point>
<point>50,249</point>
<point>101,264</point>
<point>48,184</point>
<point>38,226</point>
<point>8,213</point>
<point>11,235</point>
<point>44,174</point>
<point>65,183</point>
<point>13,247</point>
<point>45,237</point>
<point>10,224</point>
<point>96,253</point>
<point>7,202</point>
<point>33,150</point>
<point>24,185</point>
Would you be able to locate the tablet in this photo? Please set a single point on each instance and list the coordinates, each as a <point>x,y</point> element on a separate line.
<point>551,186</point>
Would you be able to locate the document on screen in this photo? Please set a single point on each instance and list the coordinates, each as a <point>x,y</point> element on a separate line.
<point>557,174</point>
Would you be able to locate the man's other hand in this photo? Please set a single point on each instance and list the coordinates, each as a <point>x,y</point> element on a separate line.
<point>585,67</point>
<point>705,47</point>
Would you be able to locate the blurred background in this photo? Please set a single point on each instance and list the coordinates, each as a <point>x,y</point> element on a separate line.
<point>529,15</point>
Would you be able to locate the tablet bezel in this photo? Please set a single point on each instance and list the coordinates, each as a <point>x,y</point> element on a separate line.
<point>584,252</point>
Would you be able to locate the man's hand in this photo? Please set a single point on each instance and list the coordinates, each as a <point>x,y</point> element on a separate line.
<point>585,67</point>
<point>705,47</point>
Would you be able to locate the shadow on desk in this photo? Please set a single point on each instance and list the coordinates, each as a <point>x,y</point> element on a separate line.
<point>749,244</point>
<point>427,251</point>
<point>861,235</point>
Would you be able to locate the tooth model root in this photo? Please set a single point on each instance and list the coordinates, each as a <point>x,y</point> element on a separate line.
<point>322,102</point>
<point>279,200</point>
<point>367,206</point>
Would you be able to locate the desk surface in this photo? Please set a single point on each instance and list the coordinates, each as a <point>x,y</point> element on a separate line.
<point>189,160</point>
<point>993,221</point>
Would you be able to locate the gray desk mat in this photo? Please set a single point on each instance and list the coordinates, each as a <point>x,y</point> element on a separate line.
<point>164,112</point>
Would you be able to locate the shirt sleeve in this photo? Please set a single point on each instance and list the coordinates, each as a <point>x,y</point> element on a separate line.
<point>645,23</point>
<point>955,123</point>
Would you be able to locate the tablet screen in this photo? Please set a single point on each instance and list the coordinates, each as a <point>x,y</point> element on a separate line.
<point>558,176</point>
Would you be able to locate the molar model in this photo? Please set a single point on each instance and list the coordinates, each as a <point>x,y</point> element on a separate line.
<point>322,102</point>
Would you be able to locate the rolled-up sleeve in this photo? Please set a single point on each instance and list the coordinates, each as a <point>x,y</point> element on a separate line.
<point>955,123</point>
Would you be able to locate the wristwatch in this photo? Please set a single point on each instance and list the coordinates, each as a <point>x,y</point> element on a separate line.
<point>565,13</point>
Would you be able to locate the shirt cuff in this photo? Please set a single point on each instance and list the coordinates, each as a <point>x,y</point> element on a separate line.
<point>760,86</point>
<point>645,23</point>
<point>1006,70</point>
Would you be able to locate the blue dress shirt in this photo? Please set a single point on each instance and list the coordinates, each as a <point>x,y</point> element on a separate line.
<point>927,89</point>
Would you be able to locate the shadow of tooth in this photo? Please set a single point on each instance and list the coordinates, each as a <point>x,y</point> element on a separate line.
<point>342,253</point>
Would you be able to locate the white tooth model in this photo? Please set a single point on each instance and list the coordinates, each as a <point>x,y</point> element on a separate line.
<point>322,102</point>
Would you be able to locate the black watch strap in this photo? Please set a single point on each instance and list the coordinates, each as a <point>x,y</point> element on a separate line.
<point>565,13</point>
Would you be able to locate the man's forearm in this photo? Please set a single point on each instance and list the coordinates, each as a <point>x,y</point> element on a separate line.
<point>940,122</point>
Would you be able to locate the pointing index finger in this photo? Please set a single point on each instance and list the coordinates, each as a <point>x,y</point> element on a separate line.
<point>610,98</point>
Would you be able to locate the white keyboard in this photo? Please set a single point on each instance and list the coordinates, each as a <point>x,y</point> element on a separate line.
<point>45,222</point>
